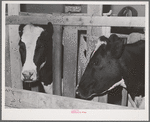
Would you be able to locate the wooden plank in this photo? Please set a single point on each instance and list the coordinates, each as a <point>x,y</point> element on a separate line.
<point>13,9</point>
<point>45,14</point>
<point>8,82</point>
<point>16,98</point>
<point>15,61</point>
<point>93,10</point>
<point>57,58</point>
<point>70,61</point>
<point>124,97</point>
<point>78,20</point>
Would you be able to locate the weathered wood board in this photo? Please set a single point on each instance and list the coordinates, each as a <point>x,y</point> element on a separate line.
<point>7,60</point>
<point>26,99</point>
<point>78,20</point>
<point>13,37</point>
<point>57,60</point>
<point>70,61</point>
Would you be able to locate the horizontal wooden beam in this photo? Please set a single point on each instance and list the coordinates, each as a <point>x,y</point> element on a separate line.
<point>78,20</point>
<point>46,14</point>
<point>16,98</point>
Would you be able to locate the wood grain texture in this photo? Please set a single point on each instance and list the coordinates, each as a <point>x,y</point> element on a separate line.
<point>124,97</point>
<point>13,37</point>
<point>70,61</point>
<point>26,99</point>
<point>77,20</point>
<point>15,61</point>
<point>8,82</point>
<point>57,60</point>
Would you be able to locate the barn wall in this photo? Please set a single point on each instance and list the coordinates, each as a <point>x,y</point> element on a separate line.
<point>47,8</point>
<point>140,9</point>
<point>59,8</point>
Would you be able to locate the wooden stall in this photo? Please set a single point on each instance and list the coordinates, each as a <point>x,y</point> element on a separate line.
<point>66,27</point>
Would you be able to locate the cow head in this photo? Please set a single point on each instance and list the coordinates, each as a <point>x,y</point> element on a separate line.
<point>103,69</point>
<point>35,45</point>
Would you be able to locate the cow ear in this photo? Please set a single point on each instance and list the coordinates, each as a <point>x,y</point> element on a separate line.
<point>116,46</point>
<point>49,28</point>
<point>114,38</point>
<point>21,29</point>
<point>103,38</point>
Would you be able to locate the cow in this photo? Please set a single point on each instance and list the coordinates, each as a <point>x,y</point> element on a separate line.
<point>35,47</point>
<point>113,61</point>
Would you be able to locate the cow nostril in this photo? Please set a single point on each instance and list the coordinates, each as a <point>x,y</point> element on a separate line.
<point>30,73</point>
<point>27,74</point>
<point>24,74</point>
<point>77,92</point>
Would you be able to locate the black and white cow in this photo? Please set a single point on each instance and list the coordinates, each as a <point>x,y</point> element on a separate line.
<point>35,47</point>
<point>112,62</point>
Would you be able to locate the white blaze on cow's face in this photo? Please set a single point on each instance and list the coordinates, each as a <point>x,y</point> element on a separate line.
<point>29,37</point>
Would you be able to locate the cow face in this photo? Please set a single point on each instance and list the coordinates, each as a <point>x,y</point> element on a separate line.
<point>103,69</point>
<point>34,44</point>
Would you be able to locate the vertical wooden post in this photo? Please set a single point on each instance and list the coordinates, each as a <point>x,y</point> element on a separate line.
<point>70,61</point>
<point>94,31</point>
<point>8,82</point>
<point>14,9</point>
<point>57,60</point>
<point>124,97</point>
<point>93,10</point>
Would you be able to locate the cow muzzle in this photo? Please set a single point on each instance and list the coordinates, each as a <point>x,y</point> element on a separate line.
<point>84,95</point>
<point>29,75</point>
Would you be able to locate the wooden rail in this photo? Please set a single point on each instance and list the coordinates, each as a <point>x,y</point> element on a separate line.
<point>16,98</point>
<point>85,20</point>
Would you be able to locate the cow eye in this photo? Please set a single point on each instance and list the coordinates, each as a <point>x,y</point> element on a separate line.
<point>40,46</point>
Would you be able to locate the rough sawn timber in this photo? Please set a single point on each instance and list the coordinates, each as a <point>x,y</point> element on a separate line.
<point>16,98</point>
<point>77,20</point>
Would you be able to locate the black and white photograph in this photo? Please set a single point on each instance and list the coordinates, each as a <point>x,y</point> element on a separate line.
<point>75,60</point>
